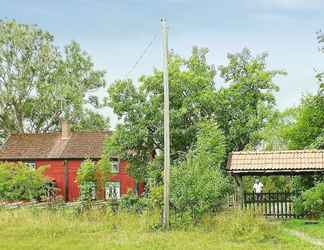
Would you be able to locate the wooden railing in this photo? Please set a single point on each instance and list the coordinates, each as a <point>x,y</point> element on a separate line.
<point>279,205</point>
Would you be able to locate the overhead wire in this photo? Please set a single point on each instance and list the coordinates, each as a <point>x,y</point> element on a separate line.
<point>145,51</point>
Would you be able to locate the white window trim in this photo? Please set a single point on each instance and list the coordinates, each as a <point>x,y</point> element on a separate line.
<point>115,162</point>
<point>115,184</point>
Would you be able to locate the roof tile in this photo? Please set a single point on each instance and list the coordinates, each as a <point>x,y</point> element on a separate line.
<point>80,145</point>
<point>276,160</point>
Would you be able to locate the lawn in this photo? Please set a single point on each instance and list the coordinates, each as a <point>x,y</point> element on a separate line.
<point>101,229</point>
<point>312,230</point>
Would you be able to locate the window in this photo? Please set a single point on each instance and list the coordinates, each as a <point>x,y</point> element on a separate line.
<point>112,190</point>
<point>115,166</point>
<point>31,164</point>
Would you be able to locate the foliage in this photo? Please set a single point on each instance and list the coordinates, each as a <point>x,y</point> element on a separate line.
<point>90,121</point>
<point>155,197</point>
<point>87,193</point>
<point>272,135</point>
<point>39,83</point>
<point>211,144</point>
<point>307,129</point>
<point>312,201</point>
<point>132,202</point>
<point>197,187</point>
<point>86,177</point>
<point>86,172</point>
<point>140,137</point>
<point>270,183</point>
<point>20,182</point>
<point>243,108</point>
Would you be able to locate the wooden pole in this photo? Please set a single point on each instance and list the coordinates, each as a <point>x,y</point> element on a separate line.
<point>240,186</point>
<point>166,176</point>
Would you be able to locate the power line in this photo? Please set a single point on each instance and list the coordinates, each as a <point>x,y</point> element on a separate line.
<point>148,46</point>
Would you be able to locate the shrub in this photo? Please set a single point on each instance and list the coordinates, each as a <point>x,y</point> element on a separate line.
<point>133,203</point>
<point>86,172</point>
<point>311,202</point>
<point>197,188</point>
<point>20,182</point>
<point>86,176</point>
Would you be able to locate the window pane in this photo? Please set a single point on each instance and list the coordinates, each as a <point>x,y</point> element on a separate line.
<point>112,190</point>
<point>115,166</point>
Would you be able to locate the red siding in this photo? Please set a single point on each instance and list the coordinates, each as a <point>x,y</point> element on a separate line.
<point>126,182</point>
<point>55,171</point>
<point>73,166</point>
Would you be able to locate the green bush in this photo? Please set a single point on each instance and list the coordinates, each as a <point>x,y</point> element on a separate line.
<point>20,182</point>
<point>133,203</point>
<point>197,188</point>
<point>86,172</point>
<point>311,202</point>
<point>86,176</point>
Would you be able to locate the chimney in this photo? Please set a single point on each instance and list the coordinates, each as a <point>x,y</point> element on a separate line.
<point>66,133</point>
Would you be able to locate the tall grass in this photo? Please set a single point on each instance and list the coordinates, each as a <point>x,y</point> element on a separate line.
<point>103,229</point>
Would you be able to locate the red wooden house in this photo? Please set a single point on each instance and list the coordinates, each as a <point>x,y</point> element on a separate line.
<point>63,153</point>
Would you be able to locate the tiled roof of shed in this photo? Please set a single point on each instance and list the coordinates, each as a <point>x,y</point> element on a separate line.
<point>79,145</point>
<point>276,161</point>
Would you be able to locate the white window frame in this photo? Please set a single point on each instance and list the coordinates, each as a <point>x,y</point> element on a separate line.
<point>115,166</point>
<point>116,186</point>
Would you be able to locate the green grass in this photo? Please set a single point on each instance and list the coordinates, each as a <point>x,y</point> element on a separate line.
<point>312,230</point>
<point>45,229</point>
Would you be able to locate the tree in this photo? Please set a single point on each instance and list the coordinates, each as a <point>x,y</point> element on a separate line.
<point>307,129</point>
<point>197,184</point>
<point>242,109</point>
<point>39,84</point>
<point>140,136</point>
<point>90,121</point>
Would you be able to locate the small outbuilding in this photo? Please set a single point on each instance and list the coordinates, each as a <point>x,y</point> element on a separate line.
<point>270,163</point>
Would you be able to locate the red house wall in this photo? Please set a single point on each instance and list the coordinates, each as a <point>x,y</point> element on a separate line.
<point>55,171</point>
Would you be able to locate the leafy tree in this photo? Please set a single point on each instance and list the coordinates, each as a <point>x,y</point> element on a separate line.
<point>197,184</point>
<point>40,83</point>
<point>90,121</point>
<point>140,137</point>
<point>243,108</point>
<point>272,135</point>
<point>307,129</point>
<point>210,144</point>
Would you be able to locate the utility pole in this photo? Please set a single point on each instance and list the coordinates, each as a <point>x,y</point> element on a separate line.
<point>166,177</point>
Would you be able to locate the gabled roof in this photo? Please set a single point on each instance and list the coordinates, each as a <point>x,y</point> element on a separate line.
<point>80,145</point>
<point>276,161</point>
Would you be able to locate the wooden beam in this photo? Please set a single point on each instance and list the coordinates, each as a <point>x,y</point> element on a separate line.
<point>240,188</point>
<point>66,181</point>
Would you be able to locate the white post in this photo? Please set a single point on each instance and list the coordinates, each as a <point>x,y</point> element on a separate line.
<point>166,177</point>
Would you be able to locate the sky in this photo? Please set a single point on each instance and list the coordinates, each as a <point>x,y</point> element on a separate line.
<point>115,33</point>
